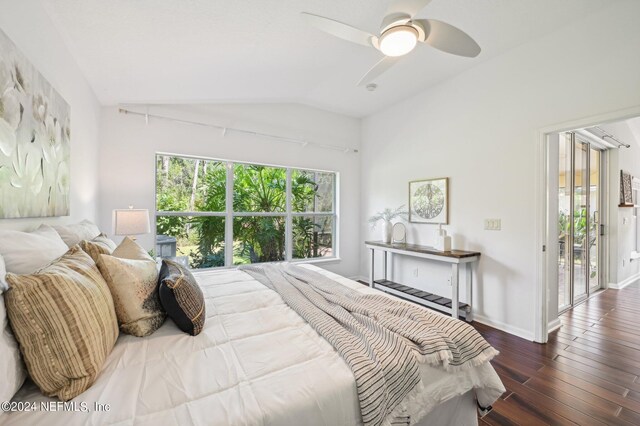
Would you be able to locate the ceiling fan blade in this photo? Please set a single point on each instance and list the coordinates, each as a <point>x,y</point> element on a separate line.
<point>338,29</point>
<point>383,65</point>
<point>407,7</point>
<point>448,38</point>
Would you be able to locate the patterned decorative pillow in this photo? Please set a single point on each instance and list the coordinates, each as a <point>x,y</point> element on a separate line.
<point>63,318</point>
<point>182,297</point>
<point>99,245</point>
<point>132,276</point>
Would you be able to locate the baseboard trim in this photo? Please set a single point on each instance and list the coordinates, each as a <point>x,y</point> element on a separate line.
<point>554,325</point>
<point>516,331</point>
<point>622,284</point>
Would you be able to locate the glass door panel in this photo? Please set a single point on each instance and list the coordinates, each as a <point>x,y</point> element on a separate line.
<point>580,195</point>
<point>580,220</point>
<point>594,220</point>
<point>564,221</point>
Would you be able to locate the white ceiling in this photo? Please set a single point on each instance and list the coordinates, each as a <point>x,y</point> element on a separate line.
<point>203,51</point>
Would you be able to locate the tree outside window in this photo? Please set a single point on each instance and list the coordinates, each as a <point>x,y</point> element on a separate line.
<point>272,208</point>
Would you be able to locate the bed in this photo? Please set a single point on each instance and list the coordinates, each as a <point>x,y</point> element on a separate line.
<point>256,362</point>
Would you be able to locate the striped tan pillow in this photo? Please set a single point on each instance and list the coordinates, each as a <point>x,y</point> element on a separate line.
<point>64,319</point>
<point>99,245</point>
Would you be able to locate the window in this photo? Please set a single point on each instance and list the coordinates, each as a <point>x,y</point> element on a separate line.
<point>217,213</point>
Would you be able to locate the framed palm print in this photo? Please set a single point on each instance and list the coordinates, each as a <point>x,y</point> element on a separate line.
<point>429,201</point>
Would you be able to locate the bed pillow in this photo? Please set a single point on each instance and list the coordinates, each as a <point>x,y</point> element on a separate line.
<point>97,246</point>
<point>64,320</point>
<point>132,276</point>
<point>129,249</point>
<point>12,368</point>
<point>26,252</point>
<point>73,234</point>
<point>182,297</point>
<point>3,273</point>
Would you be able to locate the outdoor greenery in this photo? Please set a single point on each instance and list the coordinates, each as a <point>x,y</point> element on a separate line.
<point>579,236</point>
<point>192,185</point>
<point>579,223</point>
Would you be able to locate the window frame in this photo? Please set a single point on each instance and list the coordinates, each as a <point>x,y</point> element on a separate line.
<point>229,214</point>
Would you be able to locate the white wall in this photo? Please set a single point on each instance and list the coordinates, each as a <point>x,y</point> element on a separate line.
<point>480,129</point>
<point>30,28</point>
<point>128,147</point>
<point>623,269</point>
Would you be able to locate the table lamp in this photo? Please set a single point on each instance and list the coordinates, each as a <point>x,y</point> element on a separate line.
<point>131,222</point>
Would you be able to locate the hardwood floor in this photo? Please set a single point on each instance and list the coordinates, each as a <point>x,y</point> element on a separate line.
<point>586,374</point>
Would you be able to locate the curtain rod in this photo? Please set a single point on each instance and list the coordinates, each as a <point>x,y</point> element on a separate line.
<point>606,134</point>
<point>225,129</point>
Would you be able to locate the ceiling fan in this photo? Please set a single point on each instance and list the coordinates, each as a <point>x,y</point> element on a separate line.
<point>399,35</point>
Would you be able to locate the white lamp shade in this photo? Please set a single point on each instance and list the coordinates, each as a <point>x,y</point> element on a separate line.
<point>131,222</point>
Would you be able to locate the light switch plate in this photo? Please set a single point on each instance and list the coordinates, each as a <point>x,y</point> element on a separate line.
<point>492,224</point>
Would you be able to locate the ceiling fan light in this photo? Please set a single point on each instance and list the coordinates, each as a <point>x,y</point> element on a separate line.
<point>398,41</point>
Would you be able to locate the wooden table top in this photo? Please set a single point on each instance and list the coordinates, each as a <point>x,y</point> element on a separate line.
<point>458,254</point>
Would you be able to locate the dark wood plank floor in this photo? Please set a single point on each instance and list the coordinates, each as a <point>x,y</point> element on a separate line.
<point>587,374</point>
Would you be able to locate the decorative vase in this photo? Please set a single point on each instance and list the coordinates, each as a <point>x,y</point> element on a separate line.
<point>386,231</point>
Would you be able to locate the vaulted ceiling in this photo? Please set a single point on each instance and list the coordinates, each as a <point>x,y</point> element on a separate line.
<point>197,51</point>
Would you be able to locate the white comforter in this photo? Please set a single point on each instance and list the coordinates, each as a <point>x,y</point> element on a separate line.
<point>256,363</point>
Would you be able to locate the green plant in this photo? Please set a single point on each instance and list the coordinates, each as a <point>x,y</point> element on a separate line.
<point>190,185</point>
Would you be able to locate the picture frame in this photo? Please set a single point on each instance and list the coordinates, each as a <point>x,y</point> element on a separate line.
<point>35,140</point>
<point>429,201</point>
<point>626,191</point>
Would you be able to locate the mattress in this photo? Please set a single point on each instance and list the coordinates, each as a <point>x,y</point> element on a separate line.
<point>255,363</point>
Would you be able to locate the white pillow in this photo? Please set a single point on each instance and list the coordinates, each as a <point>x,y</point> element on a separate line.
<point>12,370</point>
<point>3,273</point>
<point>26,252</point>
<point>73,234</point>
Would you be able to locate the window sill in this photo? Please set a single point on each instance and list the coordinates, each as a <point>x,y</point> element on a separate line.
<point>324,260</point>
<point>321,261</point>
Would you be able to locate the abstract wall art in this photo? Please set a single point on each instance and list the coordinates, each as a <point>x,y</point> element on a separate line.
<point>34,140</point>
<point>429,201</point>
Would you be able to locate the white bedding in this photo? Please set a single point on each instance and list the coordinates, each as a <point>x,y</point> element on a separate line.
<point>256,363</point>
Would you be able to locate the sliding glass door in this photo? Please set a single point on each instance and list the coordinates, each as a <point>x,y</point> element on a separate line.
<point>580,219</point>
<point>594,233</point>
<point>579,237</point>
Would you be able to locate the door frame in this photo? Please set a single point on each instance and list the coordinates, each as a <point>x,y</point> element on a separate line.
<point>541,208</point>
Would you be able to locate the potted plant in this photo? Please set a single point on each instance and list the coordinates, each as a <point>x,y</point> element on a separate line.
<point>387,215</point>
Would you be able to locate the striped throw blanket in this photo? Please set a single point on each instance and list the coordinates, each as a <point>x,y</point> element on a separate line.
<point>383,340</point>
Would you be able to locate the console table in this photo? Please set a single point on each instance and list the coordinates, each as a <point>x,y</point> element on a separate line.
<point>457,259</point>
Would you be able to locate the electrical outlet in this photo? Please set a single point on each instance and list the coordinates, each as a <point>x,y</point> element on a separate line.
<point>415,272</point>
<point>492,224</point>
